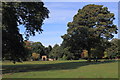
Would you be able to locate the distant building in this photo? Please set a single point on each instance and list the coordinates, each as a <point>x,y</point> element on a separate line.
<point>44,58</point>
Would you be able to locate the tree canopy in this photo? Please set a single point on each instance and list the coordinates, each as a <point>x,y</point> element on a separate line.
<point>29,14</point>
<point>37,47</point>
<point>90,26</point>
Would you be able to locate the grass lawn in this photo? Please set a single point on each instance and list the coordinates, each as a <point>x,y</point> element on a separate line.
<point>61,69</point>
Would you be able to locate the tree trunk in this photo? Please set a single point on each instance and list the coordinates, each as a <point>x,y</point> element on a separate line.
<point>14,61</point>
<point>89,55</point>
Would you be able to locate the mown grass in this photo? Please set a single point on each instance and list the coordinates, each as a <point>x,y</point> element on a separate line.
<point>61,69</point>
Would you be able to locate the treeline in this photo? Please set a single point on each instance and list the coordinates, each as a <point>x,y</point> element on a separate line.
<point>35,50</point>
<point>59,52</point>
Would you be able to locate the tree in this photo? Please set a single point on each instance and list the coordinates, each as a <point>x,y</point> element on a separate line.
<point>67,55</point>
<point>28,49</point>
<point>114,49</point>
<point>91,25</point>
<point>31,15</point>
<point>35,56</point>
<point>56,52</point>
<point>61,53</point>
<point>99,50</point>
<point>119,48</point>
<point>48,50</point>
<point>38,48</point>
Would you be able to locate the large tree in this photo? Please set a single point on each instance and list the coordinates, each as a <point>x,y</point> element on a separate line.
<point>29,14</point>
<point>90,26</point>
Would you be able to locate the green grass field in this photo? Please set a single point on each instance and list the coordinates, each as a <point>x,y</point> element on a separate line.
<point>61,69</point>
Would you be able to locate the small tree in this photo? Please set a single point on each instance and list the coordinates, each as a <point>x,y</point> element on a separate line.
<point>35,56</point>
<point>114,49</point>
<point>37,47</point>
<point>56,52</point>
<point>48,50</point>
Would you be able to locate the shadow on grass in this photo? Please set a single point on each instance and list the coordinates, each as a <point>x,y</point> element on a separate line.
<point>46,67</point>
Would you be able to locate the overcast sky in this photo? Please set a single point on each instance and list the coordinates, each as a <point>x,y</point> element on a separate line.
<point>60,14</point>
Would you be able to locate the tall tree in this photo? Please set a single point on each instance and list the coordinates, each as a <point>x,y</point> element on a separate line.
<point>29,14</point>
<point>89,27</point>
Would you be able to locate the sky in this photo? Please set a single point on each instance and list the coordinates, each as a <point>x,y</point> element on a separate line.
<point>60,14</point>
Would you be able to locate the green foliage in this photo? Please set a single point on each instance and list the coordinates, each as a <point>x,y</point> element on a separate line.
<point>64,57</point>
<point>48,50</point>
<point>67,55</point>
<point>114,49</point>
<point>60,53</point>
<point>37,47</point>
<point>28,49</point>
<point>90,26</point>
<point>30,15</point>
<point>99,50</point>
<point>56,52</point>
<point>10,34</point>
<point>119,47</point>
